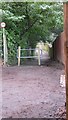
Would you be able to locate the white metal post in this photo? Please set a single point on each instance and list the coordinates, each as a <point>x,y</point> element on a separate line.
<point>5,47</point>
<point>19,48</point>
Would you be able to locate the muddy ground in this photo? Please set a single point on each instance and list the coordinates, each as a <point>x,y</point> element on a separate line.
<point>33,91</point>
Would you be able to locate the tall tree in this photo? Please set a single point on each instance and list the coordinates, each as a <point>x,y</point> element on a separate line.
<point>29,23</point>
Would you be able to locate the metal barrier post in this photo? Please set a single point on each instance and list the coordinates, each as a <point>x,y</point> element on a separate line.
<point>19,48</point>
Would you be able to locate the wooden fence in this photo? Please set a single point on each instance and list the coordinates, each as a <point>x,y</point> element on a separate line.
<point>22,57</point>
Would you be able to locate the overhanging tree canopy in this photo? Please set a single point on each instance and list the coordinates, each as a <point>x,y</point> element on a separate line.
<point>29,23</point>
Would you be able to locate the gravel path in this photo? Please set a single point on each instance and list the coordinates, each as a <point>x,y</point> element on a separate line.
<point>33,91</point>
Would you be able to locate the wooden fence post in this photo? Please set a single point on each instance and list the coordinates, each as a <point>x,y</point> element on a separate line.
<point>19,48</point>
<point>39,62</point>
<point>66,52</point>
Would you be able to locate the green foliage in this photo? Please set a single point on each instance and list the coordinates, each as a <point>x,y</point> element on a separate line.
<point>11,48</point>
<point>29,23</point>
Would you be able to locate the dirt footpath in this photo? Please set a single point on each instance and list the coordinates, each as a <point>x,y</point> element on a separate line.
<point>33,91</point>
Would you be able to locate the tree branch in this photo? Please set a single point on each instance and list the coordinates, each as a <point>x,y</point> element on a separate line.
<point>29,27</point>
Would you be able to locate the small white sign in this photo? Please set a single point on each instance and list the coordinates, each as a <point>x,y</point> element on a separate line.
<point>3,24</point>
